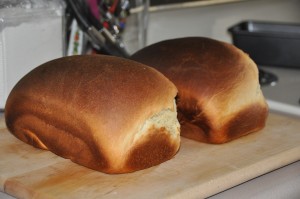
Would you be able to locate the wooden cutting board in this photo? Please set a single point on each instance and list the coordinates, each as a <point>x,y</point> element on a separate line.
<point>198,170</point>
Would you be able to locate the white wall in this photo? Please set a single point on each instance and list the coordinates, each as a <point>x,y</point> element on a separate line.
<point>213,21</point>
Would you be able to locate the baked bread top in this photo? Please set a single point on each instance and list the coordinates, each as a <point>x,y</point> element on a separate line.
<point>219,95</point>
<point>107,113</point>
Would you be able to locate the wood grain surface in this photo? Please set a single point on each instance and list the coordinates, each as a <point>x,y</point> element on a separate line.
<point>198,170</point>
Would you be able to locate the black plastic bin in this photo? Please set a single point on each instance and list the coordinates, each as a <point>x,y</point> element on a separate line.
<point>269,43</point>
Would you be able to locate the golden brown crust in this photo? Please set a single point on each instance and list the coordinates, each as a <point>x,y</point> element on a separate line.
<point>88,109</point>
<point>217,84</point>
<point>151,151</point>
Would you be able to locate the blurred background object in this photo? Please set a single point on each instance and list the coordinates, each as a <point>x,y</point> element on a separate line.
<point>99,25</point>
<point>31,32</point>
<point>135,34</point>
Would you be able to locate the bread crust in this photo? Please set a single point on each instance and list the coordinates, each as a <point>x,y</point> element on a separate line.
<point>89,108</point>
<point>219,95</point>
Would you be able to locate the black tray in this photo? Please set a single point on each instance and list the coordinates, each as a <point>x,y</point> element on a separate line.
<point>269,43</point>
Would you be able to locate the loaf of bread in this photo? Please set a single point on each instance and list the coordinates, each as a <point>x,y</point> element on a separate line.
<point>106,113</point>
<point>219,95</point>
